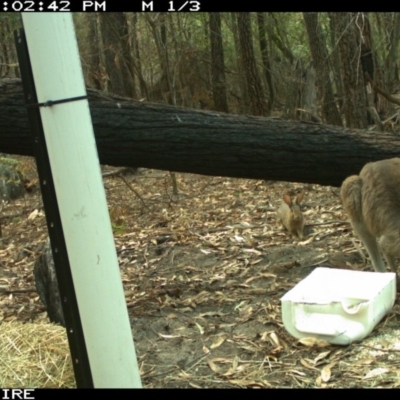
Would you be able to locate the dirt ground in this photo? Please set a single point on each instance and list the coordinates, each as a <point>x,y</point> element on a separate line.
<point>203,274</point>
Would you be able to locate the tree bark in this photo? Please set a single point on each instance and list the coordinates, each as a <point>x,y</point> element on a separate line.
<point>258,105</point>
<point>94,70</point>
<point>135,134</point>
<point>127,58</point>
<point>392,57</point>
<point>137,65</point>
<point>319,54</point>
<point>335,62</point>
<point>355,103</point>
<point>265,59</point>
<point>217,64</point>
<point>277,40</point>
<point>114,30</point>
<point>244,100</point>
<point>159,30</point>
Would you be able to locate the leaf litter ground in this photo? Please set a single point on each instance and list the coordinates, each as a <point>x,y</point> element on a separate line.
<point>203,273</point>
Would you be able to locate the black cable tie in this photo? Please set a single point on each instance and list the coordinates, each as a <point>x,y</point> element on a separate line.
<point>50,103</point>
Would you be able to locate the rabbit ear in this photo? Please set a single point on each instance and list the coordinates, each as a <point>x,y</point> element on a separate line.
<point>299,197</point>
<point>287,199</point>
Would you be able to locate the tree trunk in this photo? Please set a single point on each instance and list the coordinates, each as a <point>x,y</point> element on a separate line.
<point>241,79</point>
<point>4,52</point>
<point>294,92</point>
<point>335,62</point>
<point>258,105</point>
<point>135,134</point>
<point>309,96</point>
<point>284,49</point>
<point>136,56</point>
<point>113,30</point>
<point>265,59</point>
<point>392,57</point>
<point>369,64</point>
<point>8,57</point>
<point>330,113</point>
<point>158,28</point>
<point>94,70</point>
<point>127,58</point>
<point>217,64</point>
<point>355,102</point>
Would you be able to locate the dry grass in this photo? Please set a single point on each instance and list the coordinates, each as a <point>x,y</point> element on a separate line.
<point>34,355</point>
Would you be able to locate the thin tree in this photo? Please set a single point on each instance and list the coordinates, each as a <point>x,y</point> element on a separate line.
<point>392,58</point>
<point>319,54</point>
<point>137,62</point>
<point>217,64</point>
<point>258,104</point>
<point>91,47</point>
<point>114,31</point>
<point>265,59</point>
<point>243,99</point>
<point>355,101</point>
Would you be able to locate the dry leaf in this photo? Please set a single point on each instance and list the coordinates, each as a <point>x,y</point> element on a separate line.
<point>307,365</point>
<point>298,372</point>
<point>213,367</point>
<point>201,329</point>
<point>230,371</point>
<point>313,342</point>
<point>218,342</point>
<point>376,372</point>
<point>250,384</point>
<point>321,356</point>
<point>304,242</point>
<point>235,362</point>
<point>33,214</point>
<point>326,373</point>
<point>194,386</point>
<point>274,339</point>
<point>205,251</point>
<point>168,336</point>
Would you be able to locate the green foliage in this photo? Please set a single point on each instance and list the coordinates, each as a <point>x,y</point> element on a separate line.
<point>289,28</point>
<point>118,229</point>
<point>10,162</point>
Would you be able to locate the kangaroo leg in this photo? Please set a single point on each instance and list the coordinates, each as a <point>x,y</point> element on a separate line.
<point>371,245</point>
<point>389,244</point>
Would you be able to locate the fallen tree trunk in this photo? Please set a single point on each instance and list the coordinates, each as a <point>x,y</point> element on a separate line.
<point>135,134</point>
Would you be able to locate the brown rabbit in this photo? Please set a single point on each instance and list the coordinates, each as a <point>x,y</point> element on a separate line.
<point>372,201</point>
<point>290,215</point>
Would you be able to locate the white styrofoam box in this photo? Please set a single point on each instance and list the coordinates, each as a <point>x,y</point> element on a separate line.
<point>339,306</point>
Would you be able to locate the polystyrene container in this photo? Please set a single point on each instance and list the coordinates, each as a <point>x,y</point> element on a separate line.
<point>339,306</point>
